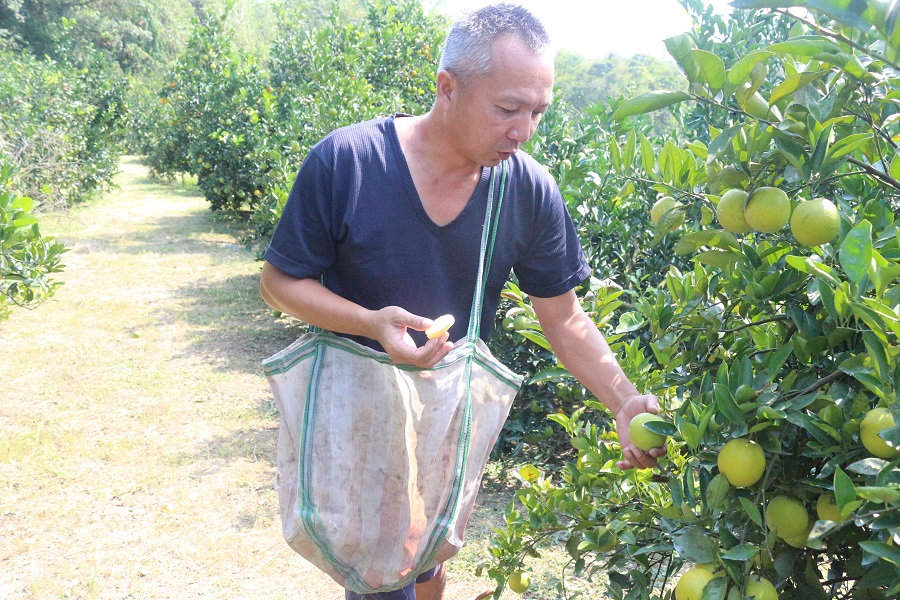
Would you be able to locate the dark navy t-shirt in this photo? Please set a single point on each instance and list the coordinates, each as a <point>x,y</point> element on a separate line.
<point>354,219</point>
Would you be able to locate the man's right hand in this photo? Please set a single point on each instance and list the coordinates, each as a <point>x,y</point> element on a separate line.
<point>390,327</point>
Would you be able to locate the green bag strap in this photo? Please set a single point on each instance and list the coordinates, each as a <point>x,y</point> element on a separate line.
<point>488,238</point>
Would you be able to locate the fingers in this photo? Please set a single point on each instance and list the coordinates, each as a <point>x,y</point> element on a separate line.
<point>637,459</point>
<point>425,356</point>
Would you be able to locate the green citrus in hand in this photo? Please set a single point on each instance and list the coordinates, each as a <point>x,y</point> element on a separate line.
<point>519,582</point>
<point>690,585</point>
<point>742,462</point>
<point>786,516</point>
<point>768,209</point>
<point>643,438</point>
<point>815,222</point>
<point>876,420</point>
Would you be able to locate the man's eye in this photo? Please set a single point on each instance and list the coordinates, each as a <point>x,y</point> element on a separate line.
<point>506,111</point>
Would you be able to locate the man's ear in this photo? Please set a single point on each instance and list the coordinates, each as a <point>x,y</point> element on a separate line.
<point>448,85</point>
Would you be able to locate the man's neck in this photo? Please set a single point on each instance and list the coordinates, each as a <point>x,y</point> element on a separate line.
<point>434,147</point>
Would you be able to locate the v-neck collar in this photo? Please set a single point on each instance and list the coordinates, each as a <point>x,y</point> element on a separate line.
<point>477,201</point>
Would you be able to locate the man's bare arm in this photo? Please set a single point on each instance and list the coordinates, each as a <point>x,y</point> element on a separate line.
<point>313,303</point>
<point>583,350</point>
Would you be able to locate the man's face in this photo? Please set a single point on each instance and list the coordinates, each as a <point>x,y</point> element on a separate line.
<point>494,114</point>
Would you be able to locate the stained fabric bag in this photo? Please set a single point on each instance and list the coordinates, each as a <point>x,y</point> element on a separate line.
<point>379,464</point>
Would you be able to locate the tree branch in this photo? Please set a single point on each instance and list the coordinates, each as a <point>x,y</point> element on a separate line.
<point>884,177</point>
<point>834,34</point>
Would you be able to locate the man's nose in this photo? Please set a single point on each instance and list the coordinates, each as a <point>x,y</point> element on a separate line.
<point>521,130</point>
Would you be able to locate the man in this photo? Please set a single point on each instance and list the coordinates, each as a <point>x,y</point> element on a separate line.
<point>389,215</point>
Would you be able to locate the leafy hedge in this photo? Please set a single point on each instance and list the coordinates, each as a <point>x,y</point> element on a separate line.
<point>28,260</point>
<point>63,126</point>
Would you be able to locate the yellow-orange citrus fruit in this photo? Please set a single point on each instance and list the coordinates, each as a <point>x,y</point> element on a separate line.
<point>730,211</point>
<point>742,462</point>
<point>815,222</point>
<point>768,209</point>
<point>876,420</point>
<point>440,326</point>
<point>690,585</point>
<point>786,516</point>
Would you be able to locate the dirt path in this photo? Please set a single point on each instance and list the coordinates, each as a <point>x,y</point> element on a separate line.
<point>137,433</point>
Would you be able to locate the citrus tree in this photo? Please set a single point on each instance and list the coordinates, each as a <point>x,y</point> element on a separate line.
<point>774,351</point>
<point>28,259</point>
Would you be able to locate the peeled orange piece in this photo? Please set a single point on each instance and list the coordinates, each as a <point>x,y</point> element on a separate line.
<point>440,326</point>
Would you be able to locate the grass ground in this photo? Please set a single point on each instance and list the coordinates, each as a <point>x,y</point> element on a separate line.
<point>137,433</point>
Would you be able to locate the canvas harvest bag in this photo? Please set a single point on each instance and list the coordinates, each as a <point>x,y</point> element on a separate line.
<point>379,464</point>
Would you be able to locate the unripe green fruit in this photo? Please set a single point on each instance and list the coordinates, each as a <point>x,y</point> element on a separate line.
<point>643,438</point>
<point>760,588</point>
<point>827,510</point>
<point>519,582</point>
<point>876,420</point>
<point>730,211</point>
<point>786,516</point>
<point>660,208</point>
<point>768,209</point>
<point>815,222</point>
<point>729,177</point>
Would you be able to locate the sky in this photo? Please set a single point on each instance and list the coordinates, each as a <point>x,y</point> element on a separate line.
<point>597,28</point>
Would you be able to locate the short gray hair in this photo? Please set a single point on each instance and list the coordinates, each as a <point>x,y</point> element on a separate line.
<point>467,52</point>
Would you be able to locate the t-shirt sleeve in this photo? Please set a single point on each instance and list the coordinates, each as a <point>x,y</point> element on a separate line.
<point>303,244</point>
<point>554,262</point>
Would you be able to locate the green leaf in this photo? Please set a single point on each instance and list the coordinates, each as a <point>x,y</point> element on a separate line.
<point>694,545</point>
<point>878,494</point>
<point>722,141</point>
<point>752,511</point>
<point>670,162</point>
<point>648,157</point>
<point>718,258</point>
<point>717,492</point>
<point>741,552</point>
<point>805,45</point>
<point>712,69</point>
<point>740,71</point>
<point>630,321</point>
<point>793,83</point>
<point>23,203</point>
<point>551,374</point>
<point>648,102</point>
<point>726,404</point>
<point>856,252</point>
<point>537,338</point>
<point>848,144</point>
<point>844,491</point>
<point>868,466</point>
<point>690,433</point>
<point>883,551</point>
<point>680,47</point>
